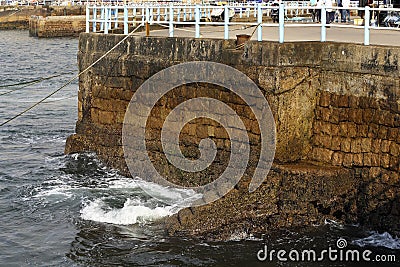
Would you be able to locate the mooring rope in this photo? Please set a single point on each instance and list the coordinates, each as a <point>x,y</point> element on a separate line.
<point>19,10</point>
<point>186,30</point>
<point>27,84</point>
<point>251,35</point>
<point>70,80</point>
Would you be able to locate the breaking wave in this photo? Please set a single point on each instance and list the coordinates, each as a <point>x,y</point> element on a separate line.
<point>379,240</point>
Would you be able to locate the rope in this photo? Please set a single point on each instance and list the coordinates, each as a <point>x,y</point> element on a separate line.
<point>242,45</point>
<point>21,83</point>
<point>19,10</point>
<point>181,29</point>
<point>52,100</point>
<point>70,80</point>
<point>26,84</point>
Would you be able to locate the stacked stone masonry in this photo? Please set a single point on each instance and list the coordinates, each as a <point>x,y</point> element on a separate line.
<point>355,131</point>
<point>336,108</point>
<point>56,26</point>
<point>17,17</point>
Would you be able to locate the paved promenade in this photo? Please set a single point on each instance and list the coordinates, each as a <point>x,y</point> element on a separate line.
<point>383,36</point>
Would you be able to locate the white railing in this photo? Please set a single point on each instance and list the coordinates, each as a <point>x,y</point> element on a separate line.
<point>105,18</point>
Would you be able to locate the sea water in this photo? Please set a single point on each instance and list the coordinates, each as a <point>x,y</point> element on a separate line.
<point>71,210</point>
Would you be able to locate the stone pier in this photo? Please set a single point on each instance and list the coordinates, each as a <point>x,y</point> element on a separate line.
<point>56,26</point>
<point>17,17</point>
<point>337,111</point>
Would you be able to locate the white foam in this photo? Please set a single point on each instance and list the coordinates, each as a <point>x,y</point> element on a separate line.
<point>334,223</point>
<point>239,236</point>
<point>379,240</point>
<point>178,196</point>
<point>62,190</point>
<point>109,185</point>
<point>131,213</point>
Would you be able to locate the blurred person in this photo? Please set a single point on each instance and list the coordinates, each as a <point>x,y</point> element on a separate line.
<point>313,4</point>
<point>330,14</point>
<point>346,12</point>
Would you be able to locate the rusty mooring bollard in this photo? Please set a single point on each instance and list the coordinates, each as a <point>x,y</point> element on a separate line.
<point>147,29</point>
<point>241,39</point>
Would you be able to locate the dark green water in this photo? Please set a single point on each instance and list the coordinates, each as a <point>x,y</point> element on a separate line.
<point>58,210</point>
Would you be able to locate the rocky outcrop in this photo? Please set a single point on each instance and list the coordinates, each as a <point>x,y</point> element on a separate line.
<point>336,109</point>
<point>293,195</point>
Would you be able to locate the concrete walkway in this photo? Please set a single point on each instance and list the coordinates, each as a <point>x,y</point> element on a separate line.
<point>298,33</point>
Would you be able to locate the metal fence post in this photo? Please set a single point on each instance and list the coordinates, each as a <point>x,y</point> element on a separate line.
<point>171,21</point>
<point>323,24</point>
<point>116,18</point>
<point>94,19</point>
<point>259,22</point>
<point>147,20</point>
<point>366,25</point>
<point>126,25</point>
<point>281,22</point>
<point>102,18</point>
<point>110,17</point>
<point>87,18</point>
<point>134,13</point>
<point>197,20</point>
<point>226,23</point>
<point>105,20</point>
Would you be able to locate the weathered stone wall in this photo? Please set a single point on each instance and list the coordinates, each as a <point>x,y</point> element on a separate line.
<point>357,125</point>
<point>332,104</point>
<point>56,26</point>
<point>66,10</point>
<point>17,17</point>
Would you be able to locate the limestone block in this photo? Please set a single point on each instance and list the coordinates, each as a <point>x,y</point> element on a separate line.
<point>366,144</point>
<point>358,159</point>
<point>375,160</point>
<point>356,145</point>
<point>376,145</point>
<point>385,160</point>
<point>348,160</point>
<point>336,143</point>
<point>392,134</point>
<point>334,116</point>
<point>385,146</point>
<point>345,145</point>
<point>322,154</point>
<point>324,99</point>
<point>373,130</point>
<point>394,149</point>
<point>337,158</point>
